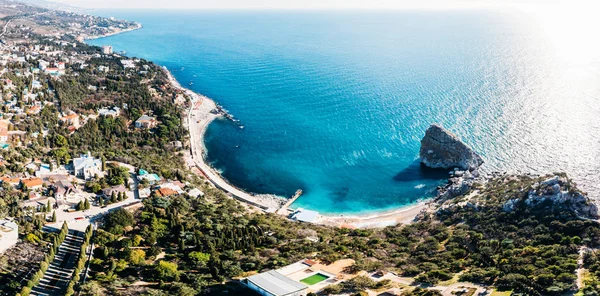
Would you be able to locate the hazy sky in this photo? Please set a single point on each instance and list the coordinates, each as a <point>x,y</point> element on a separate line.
<point>288,4</point>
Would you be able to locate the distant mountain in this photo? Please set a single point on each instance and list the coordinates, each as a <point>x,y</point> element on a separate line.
<point>53,5</point>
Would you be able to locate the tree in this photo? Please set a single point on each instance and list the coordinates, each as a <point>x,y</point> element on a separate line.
<point>167,271</point>
<point>198,258</point>
<point>80,206</point>
<point>119,218</point>
<point>91,289</point>
<point>86,204</point>
<point>53,216</point>
<point>32,238</point>
<point>137,256</point>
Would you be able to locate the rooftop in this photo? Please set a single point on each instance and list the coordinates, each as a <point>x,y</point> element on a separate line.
<point>276,283</point>
<point>146,118</point>
<point>305,215</point>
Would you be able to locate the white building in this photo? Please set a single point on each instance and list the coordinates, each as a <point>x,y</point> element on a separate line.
<point>273,283</point>
<point>87,166</point>
<point>112,112</point>
<point>128,64</point>
<point>107,49</point>
<point>9,235</point>
<point>305,215</point>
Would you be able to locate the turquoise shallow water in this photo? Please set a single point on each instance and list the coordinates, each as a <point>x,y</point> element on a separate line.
<point>335,103</point>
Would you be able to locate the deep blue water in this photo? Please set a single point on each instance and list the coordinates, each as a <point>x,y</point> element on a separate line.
<point>335,103</point>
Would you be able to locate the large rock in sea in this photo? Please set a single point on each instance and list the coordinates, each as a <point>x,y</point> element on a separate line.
<point>442,149</point>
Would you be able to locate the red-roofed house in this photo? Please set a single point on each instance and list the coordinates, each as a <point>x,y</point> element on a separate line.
<point>71,119</point>
<point>32,183</point>
<point>165,192</point>
<point>11,181</point>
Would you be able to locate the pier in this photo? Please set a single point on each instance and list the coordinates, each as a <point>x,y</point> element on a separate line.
<point>285,209</point>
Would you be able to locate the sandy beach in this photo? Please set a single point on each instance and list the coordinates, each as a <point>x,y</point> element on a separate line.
<point>203,111</point>
<point>404,215</point>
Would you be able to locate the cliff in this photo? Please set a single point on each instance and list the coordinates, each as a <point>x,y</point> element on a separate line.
<point>442,149</point>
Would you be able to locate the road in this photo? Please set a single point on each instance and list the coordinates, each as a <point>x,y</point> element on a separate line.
<point>60,271</point>
<point>5,28</point>
<point>81,219</point>
<point>449,290</point>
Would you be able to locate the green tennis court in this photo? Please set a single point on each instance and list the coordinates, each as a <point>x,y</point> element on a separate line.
<point>313,279</point>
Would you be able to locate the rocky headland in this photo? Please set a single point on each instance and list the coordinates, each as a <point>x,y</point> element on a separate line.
<point>442,149</point>
<point>467,188</point>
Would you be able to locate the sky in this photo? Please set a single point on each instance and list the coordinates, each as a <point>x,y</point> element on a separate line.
<point>291,4</point>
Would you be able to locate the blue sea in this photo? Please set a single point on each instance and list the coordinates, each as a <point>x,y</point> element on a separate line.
<point>335,102</point>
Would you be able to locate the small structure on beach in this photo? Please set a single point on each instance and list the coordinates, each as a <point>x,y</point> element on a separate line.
<point>304,215</point>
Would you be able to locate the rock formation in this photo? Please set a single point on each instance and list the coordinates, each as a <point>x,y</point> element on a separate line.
<point>442,149</point>
<point>560,194</point>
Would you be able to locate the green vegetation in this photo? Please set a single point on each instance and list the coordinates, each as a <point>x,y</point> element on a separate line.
<point>532,250</point>
<point>190,246</point>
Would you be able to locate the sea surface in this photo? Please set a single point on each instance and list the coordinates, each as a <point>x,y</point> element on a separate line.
<point>335,103</point>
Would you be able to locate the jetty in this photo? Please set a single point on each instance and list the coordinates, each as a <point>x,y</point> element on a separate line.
<point>285,208</point>
<point>219,110</point>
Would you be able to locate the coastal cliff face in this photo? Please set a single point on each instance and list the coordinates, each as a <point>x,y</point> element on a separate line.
<point>553,195</point>
<point>442,149</point>
<point>558,193</point>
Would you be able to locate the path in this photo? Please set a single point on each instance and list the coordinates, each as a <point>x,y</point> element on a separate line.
<point>60,271</point>
<point>5,28</point>
<point>580,269</point>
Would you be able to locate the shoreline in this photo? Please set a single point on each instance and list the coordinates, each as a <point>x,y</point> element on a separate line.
<point>139,26</point>
<point>402,215</point>
<point>271,203</point>
<point>201,113</point>
<point>204,111</point>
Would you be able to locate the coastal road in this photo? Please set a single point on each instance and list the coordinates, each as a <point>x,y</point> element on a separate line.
<point>5,28</point>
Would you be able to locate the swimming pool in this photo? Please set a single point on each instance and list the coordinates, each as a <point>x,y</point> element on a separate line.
<point>314,279</point>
